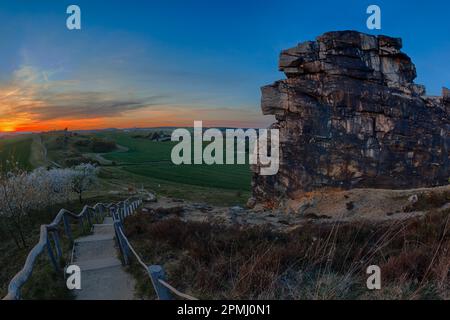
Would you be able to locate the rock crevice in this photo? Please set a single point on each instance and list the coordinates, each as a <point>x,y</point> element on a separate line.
<point>350,115</point>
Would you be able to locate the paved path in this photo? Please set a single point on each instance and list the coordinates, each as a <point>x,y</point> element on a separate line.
<point>102,274</point>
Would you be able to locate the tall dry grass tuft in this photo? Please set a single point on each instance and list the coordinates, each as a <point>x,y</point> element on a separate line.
<point>315,261</point>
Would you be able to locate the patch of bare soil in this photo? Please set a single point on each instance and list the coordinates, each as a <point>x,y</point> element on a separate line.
<point>324,206</point>
<point>370,204</point>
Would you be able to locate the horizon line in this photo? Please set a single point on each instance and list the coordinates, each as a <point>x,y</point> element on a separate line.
<point>122,129</point>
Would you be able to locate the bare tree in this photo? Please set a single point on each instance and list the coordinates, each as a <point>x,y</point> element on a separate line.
<point>84,177</point>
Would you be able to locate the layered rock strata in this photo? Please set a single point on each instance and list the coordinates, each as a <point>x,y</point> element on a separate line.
<point>350,115</point>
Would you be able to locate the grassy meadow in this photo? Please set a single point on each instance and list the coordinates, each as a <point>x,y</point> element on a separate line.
<point>17,149</point>
<point>152,159</point>
<point>136,162</point>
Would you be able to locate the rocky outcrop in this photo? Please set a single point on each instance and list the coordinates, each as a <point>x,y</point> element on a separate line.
<point>350,115</point>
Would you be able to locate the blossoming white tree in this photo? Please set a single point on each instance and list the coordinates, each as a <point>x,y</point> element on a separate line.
<point>22,192</point>
<point>12,204</point>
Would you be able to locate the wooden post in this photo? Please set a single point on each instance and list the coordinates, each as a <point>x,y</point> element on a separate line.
<point>126,249</point>
<point>88,213</point>
<point>116,231</point>
<point>100,215</point>
<point>51,254</point>
<point>82,224</point>
<point>67,228</point>
<point>122,245</point>
<point>94,216</point>
<point>156,273</point>
<point>55,237</point>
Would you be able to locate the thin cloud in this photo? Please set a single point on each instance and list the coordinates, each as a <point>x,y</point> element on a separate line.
<point>31,95</point>
<point>79,105</point>
<point>35,100</point>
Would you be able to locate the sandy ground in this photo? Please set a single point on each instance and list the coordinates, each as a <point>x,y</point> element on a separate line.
<point>372,204</point>
<point>325,206</point>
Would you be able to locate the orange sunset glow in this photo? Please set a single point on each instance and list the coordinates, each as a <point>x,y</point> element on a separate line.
<point>31,102</point>
<point>170,116</point>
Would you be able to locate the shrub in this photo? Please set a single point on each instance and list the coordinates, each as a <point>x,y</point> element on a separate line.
<point>314,261</point>
<point>99,145</point>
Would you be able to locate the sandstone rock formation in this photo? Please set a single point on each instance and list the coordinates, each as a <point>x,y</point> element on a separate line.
<point>350,116</point>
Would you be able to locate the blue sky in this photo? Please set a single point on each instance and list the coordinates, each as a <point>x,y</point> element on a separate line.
<point>183,58</point>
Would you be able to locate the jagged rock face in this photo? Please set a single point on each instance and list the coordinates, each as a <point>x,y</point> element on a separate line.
<point>350,116</point>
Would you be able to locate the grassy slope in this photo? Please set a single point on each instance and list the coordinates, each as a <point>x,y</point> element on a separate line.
<point>18,148</point>
<point>139,150</point>
<point>147,162</point>
<point>152,159</point>
<point>117,179</point>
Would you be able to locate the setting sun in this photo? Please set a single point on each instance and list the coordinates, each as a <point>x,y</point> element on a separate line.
<point>7,127</point>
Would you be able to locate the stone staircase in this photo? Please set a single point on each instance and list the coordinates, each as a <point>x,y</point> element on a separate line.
<point>102,274</point>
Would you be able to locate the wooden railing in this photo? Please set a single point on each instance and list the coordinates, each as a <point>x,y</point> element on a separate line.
<point>49,237</point>
<point>163,290</point>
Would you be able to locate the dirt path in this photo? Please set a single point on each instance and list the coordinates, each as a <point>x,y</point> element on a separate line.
<point>102,274</point>
<point>38,152</point>
<point>99,157</point>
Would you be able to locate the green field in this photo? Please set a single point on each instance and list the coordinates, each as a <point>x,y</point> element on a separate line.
<point>17,149</point>
<point>152,159</point>
<point>139,150</point>
<point>136,162</point>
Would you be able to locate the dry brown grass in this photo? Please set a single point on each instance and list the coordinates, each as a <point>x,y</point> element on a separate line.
<point>429,200</point>
<point>317,261</point>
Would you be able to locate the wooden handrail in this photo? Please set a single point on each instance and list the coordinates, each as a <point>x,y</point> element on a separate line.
<point>44,242</point>
<point>157,275</point>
